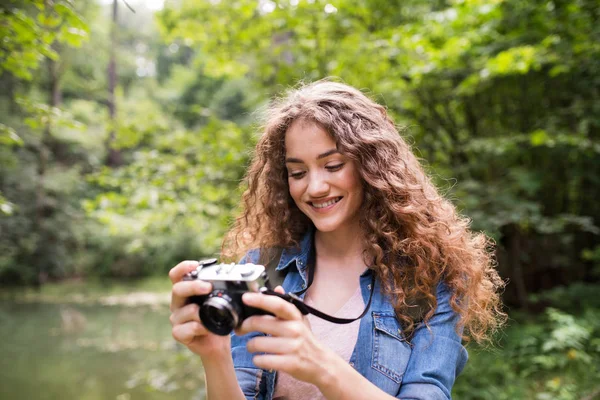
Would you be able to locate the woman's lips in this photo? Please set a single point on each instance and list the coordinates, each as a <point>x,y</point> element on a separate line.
<point>324,206</point>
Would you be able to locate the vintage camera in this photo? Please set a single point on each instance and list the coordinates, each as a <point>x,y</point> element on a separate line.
<point>222,310</point>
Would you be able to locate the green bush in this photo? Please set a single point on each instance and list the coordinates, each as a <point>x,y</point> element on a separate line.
<point>555,356</point>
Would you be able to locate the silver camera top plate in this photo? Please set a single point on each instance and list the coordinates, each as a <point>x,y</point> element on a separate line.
<point>230,272</point>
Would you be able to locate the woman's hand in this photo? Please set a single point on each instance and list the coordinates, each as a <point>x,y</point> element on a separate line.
<point>185,318</point>
<point>292,347</point>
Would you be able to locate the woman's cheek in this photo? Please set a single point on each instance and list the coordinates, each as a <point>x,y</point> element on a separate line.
<point>295,190</point>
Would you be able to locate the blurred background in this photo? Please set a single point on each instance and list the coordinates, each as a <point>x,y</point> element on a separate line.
<point>126,127</point>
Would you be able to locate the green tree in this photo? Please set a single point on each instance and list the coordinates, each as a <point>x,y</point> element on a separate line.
<point>34,34</point>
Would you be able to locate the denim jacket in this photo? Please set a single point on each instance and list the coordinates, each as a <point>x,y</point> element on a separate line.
<point>425,368</point>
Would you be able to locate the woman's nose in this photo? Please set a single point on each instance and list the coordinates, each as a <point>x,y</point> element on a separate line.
<point>317,185</point>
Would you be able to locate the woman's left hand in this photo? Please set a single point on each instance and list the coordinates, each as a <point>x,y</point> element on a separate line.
<point>292,347</point>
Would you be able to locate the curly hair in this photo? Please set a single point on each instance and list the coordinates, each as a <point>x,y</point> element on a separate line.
<point>416,236</point>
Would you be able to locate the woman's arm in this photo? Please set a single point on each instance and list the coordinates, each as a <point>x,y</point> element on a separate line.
<point>344,382</point>
<point>438,355</point>
<point>214,350</point>
<point>221,381</point>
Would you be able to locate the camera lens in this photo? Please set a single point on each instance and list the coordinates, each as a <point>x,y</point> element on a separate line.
<point>219,315</point>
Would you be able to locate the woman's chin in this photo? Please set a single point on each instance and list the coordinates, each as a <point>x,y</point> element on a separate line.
<point>326,226</point>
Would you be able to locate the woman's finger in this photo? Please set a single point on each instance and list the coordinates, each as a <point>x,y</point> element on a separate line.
<point>185,333</point>
<point>242,330</point>
<point>273,304</point>
<point>177,272</point>
<point>276,362</point>
<point>273,345</point>
<point>183,290</point>
<point>272,326</point>
<point>189,312</point>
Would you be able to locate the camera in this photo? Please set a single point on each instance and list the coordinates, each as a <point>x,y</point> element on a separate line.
<point>222,310</point>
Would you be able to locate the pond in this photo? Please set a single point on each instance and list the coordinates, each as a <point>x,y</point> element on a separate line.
<point>75,346</point>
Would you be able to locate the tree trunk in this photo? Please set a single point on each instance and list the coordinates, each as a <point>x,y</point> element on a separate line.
<point>514,258</point>
<point>42,211</point>
<point>113,155</point>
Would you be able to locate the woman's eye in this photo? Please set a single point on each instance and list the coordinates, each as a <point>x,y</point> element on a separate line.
<point>297,175</point>
<point>333,168</point>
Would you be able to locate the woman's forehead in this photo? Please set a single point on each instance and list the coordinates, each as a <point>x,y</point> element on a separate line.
<point>308,138</point>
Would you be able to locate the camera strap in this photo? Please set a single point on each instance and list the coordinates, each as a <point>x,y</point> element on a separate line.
<point>306,309</point>
<point>276,278</point>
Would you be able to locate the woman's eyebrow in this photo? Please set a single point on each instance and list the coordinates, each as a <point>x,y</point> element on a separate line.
<point>322,155</point>
<point>327,153</point>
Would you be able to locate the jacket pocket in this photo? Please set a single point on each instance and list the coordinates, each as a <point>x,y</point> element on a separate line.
<point>390,351</point>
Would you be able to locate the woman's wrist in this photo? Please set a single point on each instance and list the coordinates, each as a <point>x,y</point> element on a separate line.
<point>215,358</point>
<point>217,353</point>
<point>329,379</point>
<point>342,381</point>
<point>220,377</point>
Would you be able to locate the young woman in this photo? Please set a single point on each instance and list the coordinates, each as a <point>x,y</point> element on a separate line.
<point>335,186</point>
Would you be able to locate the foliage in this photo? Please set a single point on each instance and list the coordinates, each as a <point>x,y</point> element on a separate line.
<point>171,202</point>
<point>552,357</point>
<point>29,29</point>
<point>36,196</point>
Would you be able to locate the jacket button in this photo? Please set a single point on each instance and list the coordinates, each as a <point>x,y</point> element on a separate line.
<point>369,286</point>
<point>351,364</point>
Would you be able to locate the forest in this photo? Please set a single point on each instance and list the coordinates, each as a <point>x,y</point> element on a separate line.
<point>126,128</point>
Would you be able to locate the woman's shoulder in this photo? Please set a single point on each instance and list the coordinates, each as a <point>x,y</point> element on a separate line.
<point>251,256</point>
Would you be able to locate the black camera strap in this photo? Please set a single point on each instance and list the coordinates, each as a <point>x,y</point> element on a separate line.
<point>275,278</point>
<point>306,309</point>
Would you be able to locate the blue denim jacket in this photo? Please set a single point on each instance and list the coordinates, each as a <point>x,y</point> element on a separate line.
<point>424,369</point>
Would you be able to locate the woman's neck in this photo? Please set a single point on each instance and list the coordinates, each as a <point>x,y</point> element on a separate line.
<point>342,244</point>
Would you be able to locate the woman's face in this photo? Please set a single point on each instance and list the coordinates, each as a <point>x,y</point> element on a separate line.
<point>324,184</point>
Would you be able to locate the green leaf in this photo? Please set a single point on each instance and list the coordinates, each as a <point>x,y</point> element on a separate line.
<point>539,137</point>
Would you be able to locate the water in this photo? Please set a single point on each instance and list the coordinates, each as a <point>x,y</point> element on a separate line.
<point>88,351</point>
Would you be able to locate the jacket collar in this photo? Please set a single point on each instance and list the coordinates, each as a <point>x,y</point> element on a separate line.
<point>299,255</point>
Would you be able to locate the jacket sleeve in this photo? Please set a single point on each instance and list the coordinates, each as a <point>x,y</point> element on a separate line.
<point>437,357</point>
<point>249,377</point>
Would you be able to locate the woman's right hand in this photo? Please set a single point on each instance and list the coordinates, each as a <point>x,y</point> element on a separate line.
<point>185,318</point>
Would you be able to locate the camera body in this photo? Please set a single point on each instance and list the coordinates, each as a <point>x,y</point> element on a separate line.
<point>222,310</point>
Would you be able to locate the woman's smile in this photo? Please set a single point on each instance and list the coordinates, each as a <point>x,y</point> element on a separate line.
<point>325,205</point>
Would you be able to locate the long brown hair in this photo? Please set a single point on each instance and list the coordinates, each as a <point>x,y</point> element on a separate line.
<point>403,216</point>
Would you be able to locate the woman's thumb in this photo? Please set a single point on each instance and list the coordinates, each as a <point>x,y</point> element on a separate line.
<point>280,290</point>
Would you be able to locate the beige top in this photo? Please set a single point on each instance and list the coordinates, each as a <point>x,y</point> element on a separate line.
<point>341,338</point>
